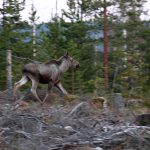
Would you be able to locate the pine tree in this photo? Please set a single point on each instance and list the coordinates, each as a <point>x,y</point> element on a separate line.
<point>10,23</point>
<point>126,40</point>
<point>77,33</point>
<point>145,61</point>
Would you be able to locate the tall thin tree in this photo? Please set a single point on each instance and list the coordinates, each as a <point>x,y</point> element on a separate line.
<point>10,20</point>
<point>105,46</point>
<point>33,20</point>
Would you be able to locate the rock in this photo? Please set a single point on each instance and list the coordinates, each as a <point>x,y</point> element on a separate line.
<point>97,148</point>
<point>97,102</point>
<point>68,128</point>
<point>143,119</point>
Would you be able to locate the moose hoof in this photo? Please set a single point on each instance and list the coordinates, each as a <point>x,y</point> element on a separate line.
<point>42,103</point>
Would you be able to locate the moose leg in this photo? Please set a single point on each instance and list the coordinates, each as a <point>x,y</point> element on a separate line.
<point>17,85</point>
<point>60,87</point>
<point>33,90</point>
<point>50,85</point>
<point>67,96</point>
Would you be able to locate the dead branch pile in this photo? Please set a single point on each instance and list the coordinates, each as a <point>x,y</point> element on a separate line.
<point>75,126</point>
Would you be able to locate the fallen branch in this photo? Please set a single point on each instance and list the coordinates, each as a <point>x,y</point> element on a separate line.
<point>75,109</point>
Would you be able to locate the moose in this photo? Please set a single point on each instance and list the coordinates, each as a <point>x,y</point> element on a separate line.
<point>49,73</point>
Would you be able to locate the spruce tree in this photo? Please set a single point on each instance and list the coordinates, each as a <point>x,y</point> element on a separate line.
<point>125,40</point>
<point>77,34</point>
<point>11,22</point>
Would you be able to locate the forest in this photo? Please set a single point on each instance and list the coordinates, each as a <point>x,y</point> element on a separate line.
<point>109,95</point>
<point>83,37</point>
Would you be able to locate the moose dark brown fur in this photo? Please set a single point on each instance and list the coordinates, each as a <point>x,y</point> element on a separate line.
<point>46,73</point>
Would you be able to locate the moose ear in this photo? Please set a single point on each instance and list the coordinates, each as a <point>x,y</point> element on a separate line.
<point>66,54</point>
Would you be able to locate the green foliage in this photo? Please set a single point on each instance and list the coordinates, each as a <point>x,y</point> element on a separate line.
<point>11,39</point>
<point>128,41</point>
<point>129,53</point>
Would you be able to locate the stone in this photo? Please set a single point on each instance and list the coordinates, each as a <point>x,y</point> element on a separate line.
<point>143,119</point>
<point>97,102</point>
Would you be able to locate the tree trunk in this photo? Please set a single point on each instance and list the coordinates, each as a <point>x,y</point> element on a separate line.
<point>9,71</point>
<point>105,47</point>
<point>34,39</point>
<point>117,101</point>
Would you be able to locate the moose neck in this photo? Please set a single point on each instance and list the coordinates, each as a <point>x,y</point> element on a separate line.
<point>64,66</point>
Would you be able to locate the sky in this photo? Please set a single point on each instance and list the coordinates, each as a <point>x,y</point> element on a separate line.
<point>46,8</point>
